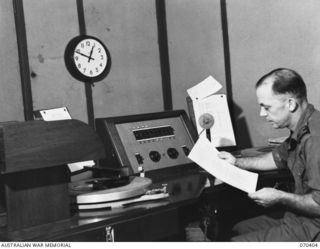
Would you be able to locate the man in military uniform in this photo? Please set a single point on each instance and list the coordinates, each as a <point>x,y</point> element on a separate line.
<point>282,97</point>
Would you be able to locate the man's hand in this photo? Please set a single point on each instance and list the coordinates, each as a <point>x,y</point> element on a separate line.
<point>266,197</point>
<point>228,157</point>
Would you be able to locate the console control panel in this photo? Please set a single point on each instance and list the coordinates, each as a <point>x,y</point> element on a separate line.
<point>149,141</point>
<point>155,144</point>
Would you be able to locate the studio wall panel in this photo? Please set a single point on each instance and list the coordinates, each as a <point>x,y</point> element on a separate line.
<point>129,30</point>
<point>49,26</point>
<point>195,45</point>
<point>11,106</point>
<point>265,35</point>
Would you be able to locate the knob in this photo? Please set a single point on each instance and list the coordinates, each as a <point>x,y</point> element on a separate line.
<point>155,156</point>
<point>172,153</point>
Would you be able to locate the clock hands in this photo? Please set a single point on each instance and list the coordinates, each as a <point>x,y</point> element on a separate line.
<point>89,57</point>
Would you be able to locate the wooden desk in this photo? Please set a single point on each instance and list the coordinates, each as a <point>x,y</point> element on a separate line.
<point>162,220</point>
<point>151,221</point>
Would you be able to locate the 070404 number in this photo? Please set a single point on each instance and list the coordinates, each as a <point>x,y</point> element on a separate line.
<point>308,244</point>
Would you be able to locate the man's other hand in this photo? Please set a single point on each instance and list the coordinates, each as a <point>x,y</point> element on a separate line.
<point>266,197</point>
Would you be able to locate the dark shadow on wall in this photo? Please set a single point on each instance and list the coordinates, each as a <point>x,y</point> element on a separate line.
<point>240,127</point>
<point>239,122</point>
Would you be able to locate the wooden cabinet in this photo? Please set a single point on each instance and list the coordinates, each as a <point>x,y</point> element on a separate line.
<point>158,226</point>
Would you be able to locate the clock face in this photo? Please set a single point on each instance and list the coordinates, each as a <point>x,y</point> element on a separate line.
<point>90,57</point>
<point>87,58</point>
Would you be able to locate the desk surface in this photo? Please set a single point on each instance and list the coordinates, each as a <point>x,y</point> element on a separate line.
<point>184,190</point>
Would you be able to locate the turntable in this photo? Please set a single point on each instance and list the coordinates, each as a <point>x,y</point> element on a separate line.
<point>107,193</point>
<point>139,149</point>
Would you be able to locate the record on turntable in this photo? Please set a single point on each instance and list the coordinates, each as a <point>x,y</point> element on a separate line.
<point>105,192</point>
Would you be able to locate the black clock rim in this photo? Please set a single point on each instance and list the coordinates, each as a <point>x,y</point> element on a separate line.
<point>72,68</point>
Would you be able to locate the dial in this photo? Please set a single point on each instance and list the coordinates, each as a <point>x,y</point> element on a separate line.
<point>172,153</point>
<point>155,156</point>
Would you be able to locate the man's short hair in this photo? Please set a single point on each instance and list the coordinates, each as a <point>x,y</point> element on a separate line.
<point>285,81</point>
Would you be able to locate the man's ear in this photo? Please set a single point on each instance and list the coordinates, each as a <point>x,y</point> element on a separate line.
<point>293,104</point>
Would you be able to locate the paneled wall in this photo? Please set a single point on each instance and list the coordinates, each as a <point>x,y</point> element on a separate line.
<point>265,35</point>
<point>49,27</point>
<point>129,29</point>
<point>11,107</point>
<point>262,35</point>
<point>195,45</point>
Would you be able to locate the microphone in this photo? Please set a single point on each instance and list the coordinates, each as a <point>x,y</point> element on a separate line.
<point>206,121</point>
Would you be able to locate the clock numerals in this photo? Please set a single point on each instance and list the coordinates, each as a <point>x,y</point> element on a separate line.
<point>90,58</point>
<point>87,59</point>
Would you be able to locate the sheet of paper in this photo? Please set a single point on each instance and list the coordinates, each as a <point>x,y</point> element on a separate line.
<point>55,114</point>
<point>62,113</point>
<point>79,165</point>
<point>206,156</point>
<point>222,133</point>
<point>204,89</point>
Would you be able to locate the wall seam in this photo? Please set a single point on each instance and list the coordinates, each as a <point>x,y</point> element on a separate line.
<point>227,60</point>
<point>88,85</point>
<point>23,59</point>
<point>164,54</point>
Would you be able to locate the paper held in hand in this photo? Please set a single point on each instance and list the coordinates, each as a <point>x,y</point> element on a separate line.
<point>206,156</point>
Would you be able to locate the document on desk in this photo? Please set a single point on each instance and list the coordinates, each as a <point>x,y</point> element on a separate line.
<point>206,156</point>
<point>206,100</point>
<point>222,131</point>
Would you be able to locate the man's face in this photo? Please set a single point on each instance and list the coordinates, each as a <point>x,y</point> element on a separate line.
<point>273,107</point>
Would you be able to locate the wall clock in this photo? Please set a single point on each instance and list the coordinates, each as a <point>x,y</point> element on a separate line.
<point>87,58</point>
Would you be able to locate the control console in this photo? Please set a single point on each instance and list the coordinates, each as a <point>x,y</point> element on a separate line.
<point>147,142</point>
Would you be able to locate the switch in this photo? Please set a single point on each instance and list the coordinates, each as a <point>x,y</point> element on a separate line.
<point>139,158</point>
<point>186,150</point>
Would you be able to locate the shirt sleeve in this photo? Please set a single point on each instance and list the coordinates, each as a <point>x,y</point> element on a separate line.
<point>280,155</point>
<point>312,156</point>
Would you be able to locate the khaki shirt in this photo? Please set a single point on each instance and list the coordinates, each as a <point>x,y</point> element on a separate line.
<point>300,153</point>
